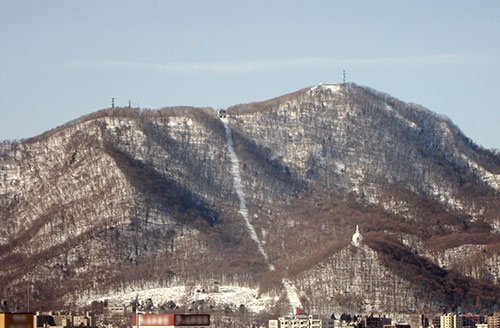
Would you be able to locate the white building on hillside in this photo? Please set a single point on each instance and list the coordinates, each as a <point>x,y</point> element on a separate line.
<point>357,237</point>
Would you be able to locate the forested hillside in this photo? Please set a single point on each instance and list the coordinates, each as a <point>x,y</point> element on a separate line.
<point>127,198</point>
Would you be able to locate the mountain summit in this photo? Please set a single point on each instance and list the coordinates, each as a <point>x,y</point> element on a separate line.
<point>126,198</point>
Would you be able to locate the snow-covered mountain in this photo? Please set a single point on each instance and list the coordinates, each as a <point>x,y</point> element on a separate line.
<point>126,199</point>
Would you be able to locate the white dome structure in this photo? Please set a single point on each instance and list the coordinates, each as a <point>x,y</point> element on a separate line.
<point>357,237</point>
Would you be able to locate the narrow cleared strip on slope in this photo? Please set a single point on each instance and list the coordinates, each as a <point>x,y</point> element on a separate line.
<point>290,290</point>
<point>235,172</point>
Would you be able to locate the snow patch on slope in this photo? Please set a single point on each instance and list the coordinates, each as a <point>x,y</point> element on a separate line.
<point>327,86</point>
<point>293,297</point>
<point>444,196</point>
<point>492,180</point>
<point>184,295</point>
<point>403,119</point>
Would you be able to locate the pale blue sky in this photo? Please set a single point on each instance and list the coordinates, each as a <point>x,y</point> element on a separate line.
<point>61,59</point>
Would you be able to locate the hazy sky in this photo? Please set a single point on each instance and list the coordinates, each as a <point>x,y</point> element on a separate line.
<point>62,59</point>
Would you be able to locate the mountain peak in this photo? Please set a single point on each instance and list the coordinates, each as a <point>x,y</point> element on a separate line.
<point>335,87</point>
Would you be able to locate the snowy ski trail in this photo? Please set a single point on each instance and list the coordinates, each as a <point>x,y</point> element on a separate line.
<point>235,172</point>
<point>291,293</point>
<point>290,290</point>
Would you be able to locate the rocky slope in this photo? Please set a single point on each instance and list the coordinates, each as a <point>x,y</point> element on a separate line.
<point>125,198</point>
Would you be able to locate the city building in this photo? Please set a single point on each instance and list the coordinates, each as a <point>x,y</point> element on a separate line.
<point>63,320</point>
<point>16,320</point>
<point>151,320</point>
<point>449,320</point>
<point>436,322</point>
<point>43,320</point>
<point>376,321</point>
<point>115,311</point>
<point>418,321</point>
<point>316,322</point>
<point>301,321</point>
<point>494,320</point>
<point>398,325</point>
<point>469,320</point>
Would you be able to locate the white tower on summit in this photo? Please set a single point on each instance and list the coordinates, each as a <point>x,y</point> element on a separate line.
<point>357,237</point>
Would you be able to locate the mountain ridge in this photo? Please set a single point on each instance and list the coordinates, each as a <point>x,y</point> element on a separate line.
<point>142,196</point>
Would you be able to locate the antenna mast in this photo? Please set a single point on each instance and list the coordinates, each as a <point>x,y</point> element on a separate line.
<point>28,282</point>
<point>343,76</point>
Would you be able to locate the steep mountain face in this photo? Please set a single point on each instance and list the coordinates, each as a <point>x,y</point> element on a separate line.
<point>123,198</point>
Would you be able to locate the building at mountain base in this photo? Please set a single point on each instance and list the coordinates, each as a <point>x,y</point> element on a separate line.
<point>16,320</point>
<point>302,321</point>
<point>152,320</point>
